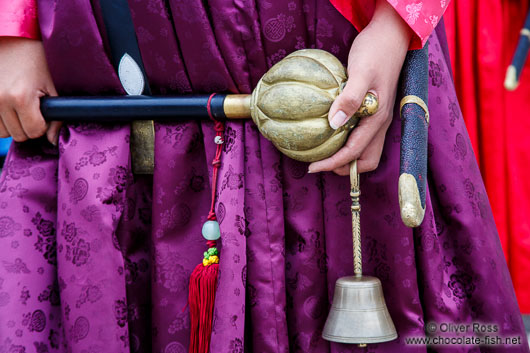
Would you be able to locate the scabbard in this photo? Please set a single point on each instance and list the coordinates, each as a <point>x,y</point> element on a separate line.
<point>513,73</point>
<point>414,136</point>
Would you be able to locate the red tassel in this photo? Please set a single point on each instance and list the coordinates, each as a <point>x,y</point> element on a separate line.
<point>203,283</point>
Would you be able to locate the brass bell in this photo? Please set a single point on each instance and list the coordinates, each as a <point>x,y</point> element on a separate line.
<point>358,313</point>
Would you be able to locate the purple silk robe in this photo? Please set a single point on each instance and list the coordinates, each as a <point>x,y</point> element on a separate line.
<point>94,259</point>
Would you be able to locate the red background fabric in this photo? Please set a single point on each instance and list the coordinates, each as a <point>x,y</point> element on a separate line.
<point>482,37</point>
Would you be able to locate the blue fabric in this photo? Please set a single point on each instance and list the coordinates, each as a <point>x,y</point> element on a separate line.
<point>4,146</point>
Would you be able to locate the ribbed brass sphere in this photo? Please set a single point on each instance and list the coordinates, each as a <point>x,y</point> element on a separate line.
<point>291,102</point>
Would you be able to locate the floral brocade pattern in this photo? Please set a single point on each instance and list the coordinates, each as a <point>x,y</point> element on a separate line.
<point>422,16</point>
<point>94,259</point>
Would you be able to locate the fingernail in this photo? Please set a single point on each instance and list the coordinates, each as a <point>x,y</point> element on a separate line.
<point>309,172</point>
<point>338,120</point>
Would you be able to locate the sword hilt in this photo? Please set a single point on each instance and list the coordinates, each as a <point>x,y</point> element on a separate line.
<point>125,109</point>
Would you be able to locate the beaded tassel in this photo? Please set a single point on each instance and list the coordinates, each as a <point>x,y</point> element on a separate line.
<point>203,280</point>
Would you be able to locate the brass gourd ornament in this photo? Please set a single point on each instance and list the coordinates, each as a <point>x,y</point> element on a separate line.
<point>290,105</point>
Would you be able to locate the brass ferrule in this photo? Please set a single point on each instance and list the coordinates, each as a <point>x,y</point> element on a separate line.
<point>237,106</point>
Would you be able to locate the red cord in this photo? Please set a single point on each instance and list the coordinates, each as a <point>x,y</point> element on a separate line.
<point>219,128</point>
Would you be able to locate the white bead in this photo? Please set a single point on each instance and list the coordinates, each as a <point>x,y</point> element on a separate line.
<point>218,140</point>
<point>210,230</point>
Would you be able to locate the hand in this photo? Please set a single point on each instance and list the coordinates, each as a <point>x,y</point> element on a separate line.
<point>24,78</point>
<point>374,64</point>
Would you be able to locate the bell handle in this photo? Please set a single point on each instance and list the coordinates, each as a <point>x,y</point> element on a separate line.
<point>355,193</point>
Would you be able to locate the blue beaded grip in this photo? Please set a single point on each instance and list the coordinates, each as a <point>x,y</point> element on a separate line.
<point>414,133</point>
<point>513,73</point>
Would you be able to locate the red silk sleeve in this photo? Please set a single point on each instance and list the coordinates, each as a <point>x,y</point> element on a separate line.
<point>18,18</point>
<point>422,16</point>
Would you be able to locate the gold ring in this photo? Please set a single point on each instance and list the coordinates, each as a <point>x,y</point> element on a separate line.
<point>412,99</point>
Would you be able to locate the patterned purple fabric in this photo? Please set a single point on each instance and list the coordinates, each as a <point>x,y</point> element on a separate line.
<point>94,259</point>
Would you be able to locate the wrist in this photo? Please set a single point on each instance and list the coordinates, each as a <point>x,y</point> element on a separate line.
<point>387,21</point>
<point>11,40</point>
